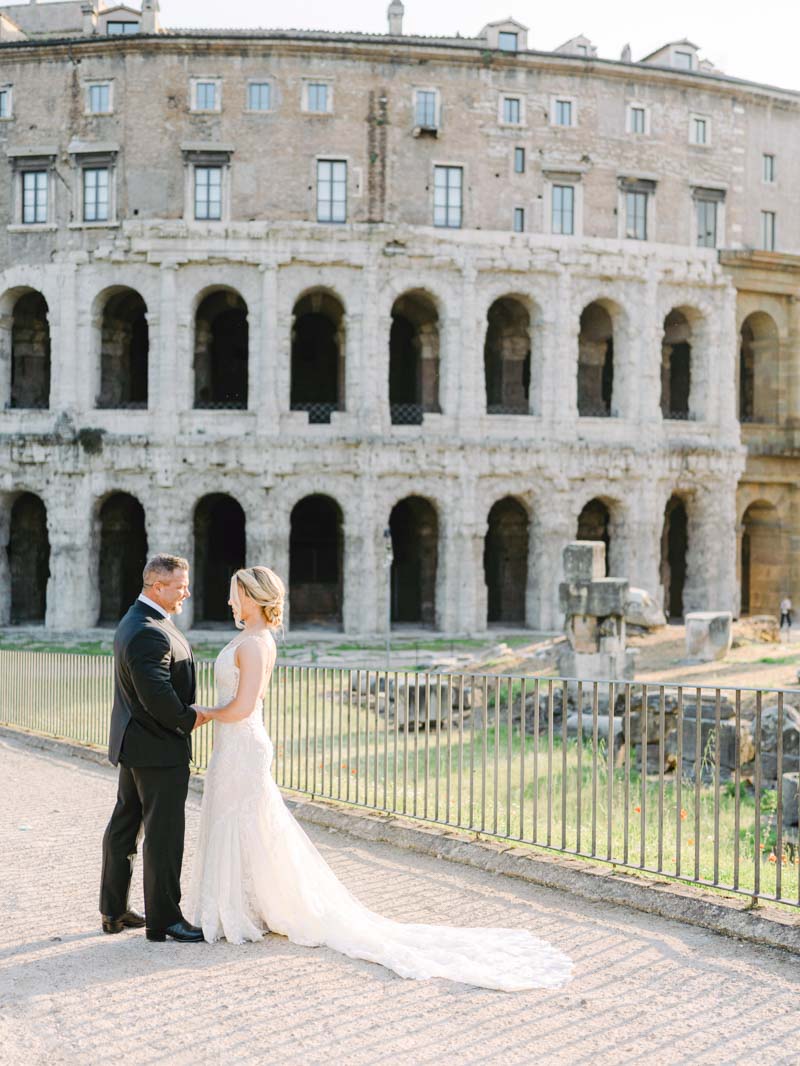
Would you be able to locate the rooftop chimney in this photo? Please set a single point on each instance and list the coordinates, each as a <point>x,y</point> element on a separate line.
<point>149,22</point>
<point>396,12</point>
<point>89,16</point>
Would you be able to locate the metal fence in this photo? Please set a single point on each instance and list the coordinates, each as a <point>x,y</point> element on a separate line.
<point>697,784</point>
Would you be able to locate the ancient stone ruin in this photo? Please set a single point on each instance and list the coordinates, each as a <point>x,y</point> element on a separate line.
<point>594,616</point>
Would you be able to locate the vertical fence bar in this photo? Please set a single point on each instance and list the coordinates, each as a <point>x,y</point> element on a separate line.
<point>579,771</point>
<point>644,733</point>
<point>610,746</point>
<point>717,753</point>
<point>439,740</point>
<point>386,739</point>
<point>698,776</point>
<point>757,787</point>
<point>550,710</point>
<point>627,781</point>
<point>535,812</point>
<point>737,776</point>
<point>678,780</point>
<point>509,751</point>
<point>459,788</point>
<point>564,717</point>
<point>406,727</point>
<point>523,744</point>
<point>496,782</point>
<point>395,740</point>
<point>427,744</point>
<point>416,741</point>
<point>595,742</point>
<point>339,736</point>
<point>662,715</point>
<point>366,742</point>
<point>779,811</point>
<point>484,750</point>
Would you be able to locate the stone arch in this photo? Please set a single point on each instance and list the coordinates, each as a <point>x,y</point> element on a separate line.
<point>221,351</point>
<point>124,350</point>
<point>507,356</point>
<point>765,559</point>
<point>414,526</point>
<point>413,357</point>
<point>674,557</point>
<point>30,352</point>
<point>505,562</point>
<point>28,560</point>
<point>596,360</point>
<point>759,351</point>
<point>122,555</point>
<point>316,562</point>
<point>594,523</point>
<point>318,355</point>
<point>219,550</point>
<point>677,354</point>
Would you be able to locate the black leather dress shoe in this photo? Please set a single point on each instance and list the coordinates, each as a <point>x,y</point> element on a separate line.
<point>180,931</point>
<point>128,920</point>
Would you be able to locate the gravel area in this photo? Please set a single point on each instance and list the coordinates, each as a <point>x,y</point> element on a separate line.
<point>646,990</point>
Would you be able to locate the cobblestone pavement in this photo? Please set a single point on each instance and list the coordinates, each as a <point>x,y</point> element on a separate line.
<point>646,990</point>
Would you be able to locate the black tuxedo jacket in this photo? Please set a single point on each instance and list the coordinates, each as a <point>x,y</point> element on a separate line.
<point>154,685</point>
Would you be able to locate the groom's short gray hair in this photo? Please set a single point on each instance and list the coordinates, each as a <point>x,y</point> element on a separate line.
<point>161,567</point>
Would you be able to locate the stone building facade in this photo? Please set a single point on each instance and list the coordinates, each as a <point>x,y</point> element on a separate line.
<point>292,297</point>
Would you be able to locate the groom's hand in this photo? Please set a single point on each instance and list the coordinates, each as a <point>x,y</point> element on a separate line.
<point>200,720</point>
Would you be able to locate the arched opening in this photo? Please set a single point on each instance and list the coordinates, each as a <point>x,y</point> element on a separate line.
<point>315,562</point>
<point>505,562</point>
<point>758,369</point>
<point>765,572</point>
<point>124,347</point>
<point>30,352</point>
<point>415,536</point>
<point>674,550</point>
<point>413,358</point>
<point>221,352</point>
<point>219,550</point>
<point>123,554</point>
<point>507,357</point>
<point>676,366</point>
<point>595,362</point>
<point>594,523</point>
<point>28,560</point>
<point>317,384</point>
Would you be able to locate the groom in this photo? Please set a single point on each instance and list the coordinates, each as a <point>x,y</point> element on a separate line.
<point>151,725</point>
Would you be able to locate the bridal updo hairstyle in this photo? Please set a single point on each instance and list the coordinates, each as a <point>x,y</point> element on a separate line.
<point>265,588</point>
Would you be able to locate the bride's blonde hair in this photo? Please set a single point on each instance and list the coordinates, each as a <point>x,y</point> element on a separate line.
<point>265,588</point>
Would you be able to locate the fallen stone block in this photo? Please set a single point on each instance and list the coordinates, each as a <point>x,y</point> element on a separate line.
<point>642,610</point>
<point>708,635</point>
<point>791,799</point>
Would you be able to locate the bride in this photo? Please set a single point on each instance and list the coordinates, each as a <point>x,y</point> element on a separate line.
<point>256,870</point>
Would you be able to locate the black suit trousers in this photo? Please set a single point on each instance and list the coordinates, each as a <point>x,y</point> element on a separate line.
<point>150,798</point>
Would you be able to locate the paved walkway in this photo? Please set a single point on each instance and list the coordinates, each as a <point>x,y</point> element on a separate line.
<point>646,990</point>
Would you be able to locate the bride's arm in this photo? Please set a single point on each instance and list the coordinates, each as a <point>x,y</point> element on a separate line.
<point>251,658</point>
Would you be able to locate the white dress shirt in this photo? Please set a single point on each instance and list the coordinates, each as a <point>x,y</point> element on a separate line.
<point>155,606</point>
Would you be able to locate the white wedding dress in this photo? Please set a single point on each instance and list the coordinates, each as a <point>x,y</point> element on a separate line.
<point>256,870</point>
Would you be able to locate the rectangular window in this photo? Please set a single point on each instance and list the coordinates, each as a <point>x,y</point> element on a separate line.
<point>638,120</point>
<point>768,168</point>
<point>318,96</point>
<point>259,96</point>
<point>507,41</point>
<point>636,215</point>
<point>95,194</point>
<point>563,113</point>
<point>34,196</point>
<point>563,220</point>
<point>519,160</point>
<point>100,99</point>
<point>206,96</point>
<point>447,196</point>
<point>699,130</point>
<point>512,110</point>
<point>5,103</point>
<point>683,60</point>
<point>119,28</point>
<point>519,219</point>
<point>331,190</point>
<point>208,193</point>
<point>768,231</point>
<point>425,110</point>
<point>706,223</point>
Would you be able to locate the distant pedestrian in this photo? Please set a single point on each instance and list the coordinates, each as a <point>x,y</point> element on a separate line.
<point>786,612</point>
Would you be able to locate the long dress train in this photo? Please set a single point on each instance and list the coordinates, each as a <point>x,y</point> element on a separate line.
<point>255,870</point>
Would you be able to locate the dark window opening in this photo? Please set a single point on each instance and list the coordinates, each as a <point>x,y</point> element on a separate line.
<point>30,353</point>
<point>221,352</point>
<point>415,537</point>
<point>505,562</point>
<point>316,562</point>
<point>317,384</point>
<point>507,358</point>
<point>124,351</point>
<point>28,560</point>
<point>123,554</point>
<point>219,551</point>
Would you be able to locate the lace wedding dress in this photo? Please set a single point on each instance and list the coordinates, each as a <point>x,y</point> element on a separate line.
<point>256,870</point>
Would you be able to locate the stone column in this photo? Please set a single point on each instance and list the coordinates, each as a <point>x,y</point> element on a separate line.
<point>166,397</point>
<point>452,570</point>
<point>560,361</point>
<point>642,402</point>
<point>724,353</point>
<point>264,384</point>
<point>367,388</point>
<point>792,364</point>
<point>465,577</point>
<point>469,355</point>
<point>72,587</point>
<point>169,522</point>
<point>711,583</point>
<point>70,377</point>
<point>643,526</point>
<point>549,536</point>
<point>366,579</point>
